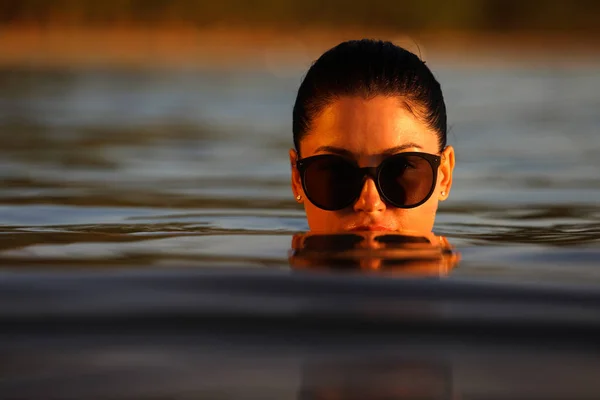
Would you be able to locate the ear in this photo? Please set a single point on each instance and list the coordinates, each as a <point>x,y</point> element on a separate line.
<point>445,172</point>
<point>295,179</point>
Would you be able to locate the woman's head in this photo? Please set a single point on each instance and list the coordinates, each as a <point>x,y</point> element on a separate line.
<point>365,101</point>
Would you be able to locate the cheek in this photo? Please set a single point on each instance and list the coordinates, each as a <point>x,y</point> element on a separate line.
<point>321,220</point>
<point>419,219</point>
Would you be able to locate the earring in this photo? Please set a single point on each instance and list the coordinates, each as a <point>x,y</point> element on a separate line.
<point>443,192</point>
<point>298,197</point>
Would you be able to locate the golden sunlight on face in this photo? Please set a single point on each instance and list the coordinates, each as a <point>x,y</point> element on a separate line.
<point>365,131</point>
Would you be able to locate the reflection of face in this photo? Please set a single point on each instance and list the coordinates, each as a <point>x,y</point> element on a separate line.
<point>375,379</point>
<point>363,130</point>
<point>374,252</point>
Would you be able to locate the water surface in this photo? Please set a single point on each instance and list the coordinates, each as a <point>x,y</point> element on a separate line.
<point>110,168</point>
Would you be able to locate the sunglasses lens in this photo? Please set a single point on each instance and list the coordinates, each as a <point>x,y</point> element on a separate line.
<point>331,243</point>
<point>406,180</point>
<point>331,182</point>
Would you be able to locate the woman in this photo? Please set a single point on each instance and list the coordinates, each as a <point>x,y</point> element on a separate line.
<point>370,154</point>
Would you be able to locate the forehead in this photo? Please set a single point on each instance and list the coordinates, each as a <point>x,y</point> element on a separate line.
<point>367,127</point>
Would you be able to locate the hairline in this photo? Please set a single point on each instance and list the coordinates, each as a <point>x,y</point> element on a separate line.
<point>411,106</point>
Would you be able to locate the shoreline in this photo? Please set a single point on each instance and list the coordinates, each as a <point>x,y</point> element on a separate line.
<point>215,47</point>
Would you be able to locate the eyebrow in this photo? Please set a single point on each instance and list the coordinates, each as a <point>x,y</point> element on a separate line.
<point>348,153</point>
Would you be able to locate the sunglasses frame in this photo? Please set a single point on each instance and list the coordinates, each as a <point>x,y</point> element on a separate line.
<point>374,173</point>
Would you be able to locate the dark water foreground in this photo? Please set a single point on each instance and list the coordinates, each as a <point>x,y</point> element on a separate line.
<point>277,334</point>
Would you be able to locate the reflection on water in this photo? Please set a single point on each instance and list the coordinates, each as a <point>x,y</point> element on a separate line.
<point>376,379</point>
<point>373,252</point>
<point>166,167</point>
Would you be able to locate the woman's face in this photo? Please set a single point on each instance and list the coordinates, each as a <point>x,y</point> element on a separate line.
<point>368,131</point>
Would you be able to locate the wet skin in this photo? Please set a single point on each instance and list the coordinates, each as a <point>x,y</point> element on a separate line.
<point>367,131</point>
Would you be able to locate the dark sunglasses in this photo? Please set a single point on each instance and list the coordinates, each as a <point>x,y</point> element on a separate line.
<point>405,180</point>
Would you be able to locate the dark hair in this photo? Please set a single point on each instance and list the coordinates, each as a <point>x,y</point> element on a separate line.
<point>369,68</point>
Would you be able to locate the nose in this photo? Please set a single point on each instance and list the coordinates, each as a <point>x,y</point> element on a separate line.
<point>369,200</point>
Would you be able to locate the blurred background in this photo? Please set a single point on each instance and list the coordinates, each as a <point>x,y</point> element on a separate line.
<point>480,15</point>
<point>156,132</point>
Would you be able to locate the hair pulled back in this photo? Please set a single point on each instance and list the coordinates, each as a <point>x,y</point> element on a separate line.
<point>369,68</point>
